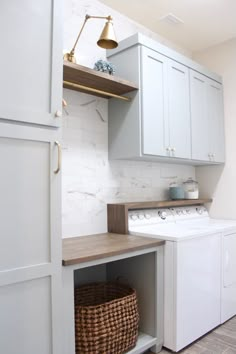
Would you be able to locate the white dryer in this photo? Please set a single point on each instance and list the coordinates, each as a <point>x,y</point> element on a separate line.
<point>200,269</point>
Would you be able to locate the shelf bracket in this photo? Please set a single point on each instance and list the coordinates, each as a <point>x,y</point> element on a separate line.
<point>91,89</point>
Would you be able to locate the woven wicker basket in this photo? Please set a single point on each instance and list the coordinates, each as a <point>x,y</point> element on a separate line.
<point>106,318</point>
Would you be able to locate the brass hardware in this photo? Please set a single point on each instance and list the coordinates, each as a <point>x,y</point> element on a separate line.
<point>91,89</point>
<point>64,103</point>
<point>59,157</point>
<point>58,114</point>
<point>107,39</point>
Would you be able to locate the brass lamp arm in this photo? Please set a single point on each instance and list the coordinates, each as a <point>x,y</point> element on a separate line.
<point>87,17</point>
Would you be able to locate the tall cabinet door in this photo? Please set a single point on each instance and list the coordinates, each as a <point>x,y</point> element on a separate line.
<point>30,241</point>
<point>216,120</point>
<point>199,116</point>
<point>179,110</point>
<point>155,140</point>
<point>31,61</point>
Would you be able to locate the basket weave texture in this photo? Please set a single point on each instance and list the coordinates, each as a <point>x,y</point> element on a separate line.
<point>106,318</point>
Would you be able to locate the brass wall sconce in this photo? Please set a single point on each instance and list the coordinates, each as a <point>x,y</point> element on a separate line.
<point>107,38</point>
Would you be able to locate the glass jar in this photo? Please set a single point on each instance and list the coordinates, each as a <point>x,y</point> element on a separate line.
<point>176,191</point>
<point>191,190</point>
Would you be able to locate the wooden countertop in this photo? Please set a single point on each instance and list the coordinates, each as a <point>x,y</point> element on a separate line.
<point>93,247</point>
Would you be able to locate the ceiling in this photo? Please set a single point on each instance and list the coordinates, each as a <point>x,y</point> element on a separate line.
<point>206,22</point>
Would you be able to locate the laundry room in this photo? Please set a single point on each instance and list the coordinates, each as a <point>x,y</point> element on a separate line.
<point>118,170</point>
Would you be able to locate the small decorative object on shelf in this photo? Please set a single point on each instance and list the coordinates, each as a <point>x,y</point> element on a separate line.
<point>104,66</point>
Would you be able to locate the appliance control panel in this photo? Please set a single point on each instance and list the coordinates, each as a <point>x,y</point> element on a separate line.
<point>166,215</point>
<point>187,213</point>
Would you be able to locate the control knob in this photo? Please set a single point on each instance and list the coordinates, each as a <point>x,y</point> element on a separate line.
<point>134,217</point>
<point>141,216</point>
<point>162,214</point>
<point>199,211</point>
<point>148,216</point>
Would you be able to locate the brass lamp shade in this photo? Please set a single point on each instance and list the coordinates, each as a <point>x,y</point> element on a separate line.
<point>107,39</point>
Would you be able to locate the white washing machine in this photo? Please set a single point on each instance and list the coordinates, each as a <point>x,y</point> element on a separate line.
<point>200,269</point>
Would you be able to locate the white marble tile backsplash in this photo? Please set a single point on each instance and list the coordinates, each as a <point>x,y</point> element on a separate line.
<point>89,179</point>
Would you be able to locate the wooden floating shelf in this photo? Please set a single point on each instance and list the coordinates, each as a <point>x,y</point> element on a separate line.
<point>118,213</point>
<point>80,78</point>
<point>165,203</point>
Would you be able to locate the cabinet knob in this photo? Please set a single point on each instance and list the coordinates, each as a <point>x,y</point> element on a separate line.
<point>58,114</point>
<point>173,149</point>
<point>211,157</point>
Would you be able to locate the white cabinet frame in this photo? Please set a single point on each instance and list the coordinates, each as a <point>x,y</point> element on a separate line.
<point>136,273</point>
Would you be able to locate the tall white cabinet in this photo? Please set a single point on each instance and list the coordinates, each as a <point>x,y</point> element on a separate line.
<point>30,205</point>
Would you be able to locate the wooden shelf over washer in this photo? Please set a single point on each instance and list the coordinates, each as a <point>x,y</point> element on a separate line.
<point>80,78</point>
<point>117,214</point>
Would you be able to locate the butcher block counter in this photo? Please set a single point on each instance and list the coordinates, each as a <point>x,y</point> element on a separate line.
<point>81,249</point>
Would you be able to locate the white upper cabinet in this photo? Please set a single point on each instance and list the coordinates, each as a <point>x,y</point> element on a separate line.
<point>199,120</point>
<point>207,118</point>
<point>154,103</point>
<point>179,110</point>
<point>177,114</point>
<point>31,61</point>
<point>165,106</point>
<point>216,121</point>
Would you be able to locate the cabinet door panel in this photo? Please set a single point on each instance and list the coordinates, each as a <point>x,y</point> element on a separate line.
<point>26,199</point>
<point>179,110</point>
<point>199,118</point>
<point>154,103</point>
<point>25,319</point>
<point>216,121</point>
<point>30,241</point>
<point>31,61</point>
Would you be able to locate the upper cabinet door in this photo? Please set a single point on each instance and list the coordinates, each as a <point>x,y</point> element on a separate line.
<point>154,103</point>
<point>199,116</point>
<point>216,121</point>
<point>31,39</point>
<point>179,110</point>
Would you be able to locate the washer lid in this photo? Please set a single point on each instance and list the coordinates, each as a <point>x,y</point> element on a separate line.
<point>172,232</point>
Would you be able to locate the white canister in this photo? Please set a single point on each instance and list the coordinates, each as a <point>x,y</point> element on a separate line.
<point>191,190</point>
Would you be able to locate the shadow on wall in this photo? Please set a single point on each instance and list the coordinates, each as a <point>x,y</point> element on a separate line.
<point>209,178</point>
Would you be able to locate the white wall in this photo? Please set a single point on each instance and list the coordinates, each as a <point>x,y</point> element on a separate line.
<point>220,182</point>
<point>90,180</point>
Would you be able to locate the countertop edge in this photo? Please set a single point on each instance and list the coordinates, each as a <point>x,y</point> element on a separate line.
<point>94,257</point>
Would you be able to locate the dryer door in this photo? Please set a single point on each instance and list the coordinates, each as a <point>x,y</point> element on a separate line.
<point>228,301</point>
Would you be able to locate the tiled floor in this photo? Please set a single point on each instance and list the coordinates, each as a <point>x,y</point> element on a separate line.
<point>220,340</point>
